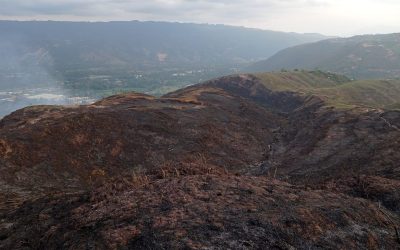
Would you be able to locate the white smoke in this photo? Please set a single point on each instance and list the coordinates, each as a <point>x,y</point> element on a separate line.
<point>27,76</point>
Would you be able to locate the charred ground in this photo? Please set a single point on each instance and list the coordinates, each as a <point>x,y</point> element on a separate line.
<point>208,166</point>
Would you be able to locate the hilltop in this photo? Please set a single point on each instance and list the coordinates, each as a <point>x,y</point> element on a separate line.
<point>359,57</point>
<point>243,161</point>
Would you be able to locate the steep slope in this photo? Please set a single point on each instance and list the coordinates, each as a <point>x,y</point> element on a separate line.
<point>205,166</point>
<point>360,57</point>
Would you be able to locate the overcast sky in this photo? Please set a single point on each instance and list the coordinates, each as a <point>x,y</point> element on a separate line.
<point>330,17</point>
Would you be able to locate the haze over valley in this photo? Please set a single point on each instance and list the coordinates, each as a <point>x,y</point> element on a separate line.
<point>97,59</point>
<point>278,128</point>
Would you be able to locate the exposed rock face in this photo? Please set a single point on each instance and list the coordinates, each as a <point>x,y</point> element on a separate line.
<point>198,168</point>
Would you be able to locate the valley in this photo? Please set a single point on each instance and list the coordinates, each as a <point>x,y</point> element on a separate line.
<point>86,87</point>
<point>166,135</point>
<point>238,161</point>
<point>98,59</point>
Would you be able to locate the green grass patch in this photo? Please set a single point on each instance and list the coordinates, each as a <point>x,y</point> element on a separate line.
<point>338,91</point>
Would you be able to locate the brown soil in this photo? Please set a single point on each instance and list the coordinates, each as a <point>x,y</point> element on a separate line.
<point>206,167</point>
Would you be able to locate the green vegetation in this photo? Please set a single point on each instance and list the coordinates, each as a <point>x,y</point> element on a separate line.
<point>368,93</point>
<point>101,82</point>
<point>337,90</point>
<point>360,57</point>
<point>301,81</point>
<point>108,55</point>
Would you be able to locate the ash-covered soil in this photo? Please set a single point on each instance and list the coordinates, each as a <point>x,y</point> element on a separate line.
<point>227,164</point>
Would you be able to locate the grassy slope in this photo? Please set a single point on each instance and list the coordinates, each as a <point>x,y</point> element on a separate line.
<point>337,90</point>
<point>301,81</point>
<point>360,57</point>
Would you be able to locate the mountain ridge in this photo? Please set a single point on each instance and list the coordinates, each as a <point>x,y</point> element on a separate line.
<point>359,57</point>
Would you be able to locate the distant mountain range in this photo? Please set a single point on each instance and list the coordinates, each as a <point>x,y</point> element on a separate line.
<point>79,52</point>
<point>360,57</point>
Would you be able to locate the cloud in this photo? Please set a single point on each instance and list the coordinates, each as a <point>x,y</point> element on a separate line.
<point>149,7</point>
<point>324,16</point>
